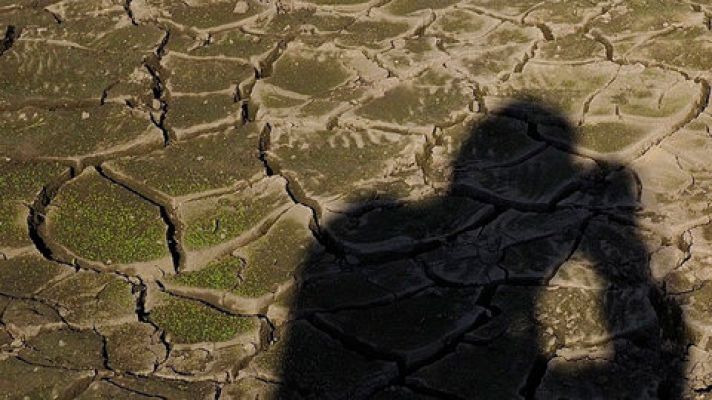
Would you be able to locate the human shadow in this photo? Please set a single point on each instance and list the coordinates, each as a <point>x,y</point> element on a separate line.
<point>528,277</point>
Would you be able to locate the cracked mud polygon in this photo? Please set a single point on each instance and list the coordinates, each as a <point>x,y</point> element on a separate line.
<point>355,199</point>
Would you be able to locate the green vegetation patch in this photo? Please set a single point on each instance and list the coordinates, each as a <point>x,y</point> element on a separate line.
<point>216,220</point>
<point>371,33</point>
<point>228,220</point>
<point>404,7</point>
<point>206,75</point>
<point>101,221</point>
<point>205,15</point>
<point>308,75</point>
<point>59,73</point>
<point>221,275</point>
<point>20,183</point>
<point>189,321</point>
<point>236,44</point>
<point>314,164</point>
<point>24,275</point>
<point>275,258</point>
<point>65,348</point>
<point>92,298</point>
<point>608,137</point>
<point>420,105</point>
<point>206,163</point>
<point>33,132</point>
<point>215,109</point>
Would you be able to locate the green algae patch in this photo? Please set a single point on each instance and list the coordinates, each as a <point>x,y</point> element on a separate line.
<point>278,256</point>
<point>101,221</point>
<point>362,155</point>
<point>216,220</point>
<point>236,44</point>
<point>193,74</point>
<point>20,183</point>
<point>405,7</point>
<point>608,137</point>
<point>65,133</point>
<point>372,33</point>
<point>205,15</point>
<point>417,105</point>
<point>308,75</point>
<point>207,163</point>
<point>24,275</point>
<point>45,382</point>
<point>221,275</point>
<point>227,221</point>
<point>62,65</point>
<point>217,110</point>
<point>188,321</point>
<point>688,48</point>
<point>643,16</point>
<point>571,48</point>
<point>91,298</point>
<point>65,348</point>
<point>647,92</point>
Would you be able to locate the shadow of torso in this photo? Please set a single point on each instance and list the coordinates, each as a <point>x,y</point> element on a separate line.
<point>526,278</point>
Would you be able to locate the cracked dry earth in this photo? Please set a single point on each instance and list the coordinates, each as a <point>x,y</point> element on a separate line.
<point>346,199</point>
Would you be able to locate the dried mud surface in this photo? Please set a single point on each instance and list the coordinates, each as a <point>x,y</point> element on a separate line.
<point>345,199</point>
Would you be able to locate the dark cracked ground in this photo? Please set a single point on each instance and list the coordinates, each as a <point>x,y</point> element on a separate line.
<point>351,199</point>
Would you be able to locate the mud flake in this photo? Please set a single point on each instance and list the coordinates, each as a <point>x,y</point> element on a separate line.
<point>20,183</point>
<point>102,222</point>
<point>189,321</point>
<point>200,75</point>
<point>72,134</point>
<point>22,379</point>
<point>234,218</point>
<point>27,274</point>
<point>65,348</point>
<point>330,373</point>
<point>412,329</point>
<point>90,298</point>
<point>212,162</point>
<point>220,110</point>
<point>133,347</point>
<point>278,256</point>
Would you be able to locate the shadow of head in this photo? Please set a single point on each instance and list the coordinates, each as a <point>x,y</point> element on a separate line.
<point>528,155</point>
<point>522,156</point>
